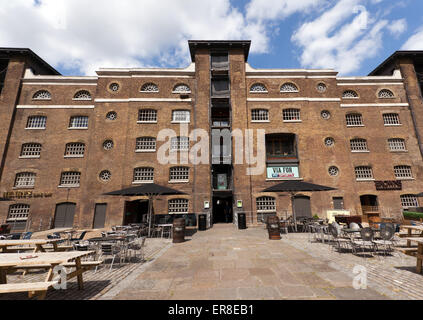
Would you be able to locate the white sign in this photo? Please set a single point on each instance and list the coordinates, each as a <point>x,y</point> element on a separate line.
<point>282,172</point>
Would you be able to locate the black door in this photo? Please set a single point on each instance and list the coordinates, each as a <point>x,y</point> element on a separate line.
<point>338,203</point>
<point>302,206</point>
<point>99,215</point>
<point>64,215</point>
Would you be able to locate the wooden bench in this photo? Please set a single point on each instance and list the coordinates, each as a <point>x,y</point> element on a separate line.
<point>408,251</point>
<point>86,265</point>
<point>33,288</point>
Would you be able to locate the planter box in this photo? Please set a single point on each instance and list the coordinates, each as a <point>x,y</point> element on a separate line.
<point>414,216</point>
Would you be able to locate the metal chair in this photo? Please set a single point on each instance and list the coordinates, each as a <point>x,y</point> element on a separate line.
<point>366,241</point>
<point>341,243</point>
<point>137,246</point>
<point>387,233</point>
<point>110,250</point>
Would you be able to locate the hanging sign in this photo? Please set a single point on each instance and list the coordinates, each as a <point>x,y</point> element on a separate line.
<point>388,185</point>
<point>26,194</point>
<point>283,172</point>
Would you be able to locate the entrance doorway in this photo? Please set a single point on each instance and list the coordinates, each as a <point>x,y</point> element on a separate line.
<point>222,210</point>
<point>302,207</point>
<point>135,212</point>
<point>64,215</point>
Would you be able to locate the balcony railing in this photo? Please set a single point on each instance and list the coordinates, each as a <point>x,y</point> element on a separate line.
<point>370,209</point>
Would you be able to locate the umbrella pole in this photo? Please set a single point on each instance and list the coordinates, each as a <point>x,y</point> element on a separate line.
<point>293,212</point>
<point>150,200</point>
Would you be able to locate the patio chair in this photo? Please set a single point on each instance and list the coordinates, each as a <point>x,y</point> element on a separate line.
<point>283,226</point>
<point>110,250</point>
<point>80,237</point>
<point>137,246</point>
<point>26,236</point>
<point>156,232</point>
<point>387,233</point>
<point>366,241</point>
<point>337,240</point>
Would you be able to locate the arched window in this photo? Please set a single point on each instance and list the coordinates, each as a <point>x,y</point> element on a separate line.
<point>143,175</point>
<point>82,95</point>
<point>397,144</point>
<point>358,144</point>
<point>31,150</point>
<point>25,180</point>
<point>42,95</point>
<point>258,87</point>
<point>403,172</point>
<point>354,120</point>
<point>149,87</point>
<point>385,94</point>
<point>289,87</point>
<point>178,206</point>
<point>349,94</point>
<point>181,88</point>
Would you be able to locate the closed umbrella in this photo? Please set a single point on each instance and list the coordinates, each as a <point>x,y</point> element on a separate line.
<point>151,190</point>
<point>294,186</point>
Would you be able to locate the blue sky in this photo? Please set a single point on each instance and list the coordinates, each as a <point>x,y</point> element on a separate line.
<point>78,37</point>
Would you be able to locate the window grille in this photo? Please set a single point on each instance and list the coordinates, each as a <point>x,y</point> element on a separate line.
<point>181,88</point>
<point>149,87</point>
<point>42,95</point>
<point>391,119</point>
<point>179,174</point>
<point>349,94</point>
<point>36,122</point>
<point>114,87</point>
<point>18,212</point>
<point>111,116</point>
<point>70,179</point>
<point>266,204</point>
<point>179,144</point>
<point>180,116</point>
<point>409,200</point>
<point>82,95</point>
<point>289,87</point>
<point>105,175</point>
<point>31,150</point>
<point>397,144</point>
<point>75,149</point>
<point>403,172</point>
<point>354,119</point>
<point>258,87</point>
<point>363,172</point>
<point>386,94</point>
<point>78,122</point>
<point>145,144</point>
<point>147,115</point>
<point>178,206</point>
<point>291,115</point>
<point>143,174</point>
<point>25,180</point>
<point>259,115</point>
<point>358,144</point>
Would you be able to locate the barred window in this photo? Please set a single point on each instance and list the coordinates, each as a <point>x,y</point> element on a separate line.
<point>385,94</point>
<point>397,144</point>
<point>31,150</point>
<point>403,172</point>
<point>259,115</point>
<point>143,174</point>
<point>179,144</point>
<point>178,206</point>
<point>179,174</point>
<point>145,144</point>
<point>258,87</point>
<point>75,149</point>
<point>25,180</point>
<point>149,87</point>
<point>266,204</point>
<point>78,122</point>
<point>181,88</point>
<point>363,172</point>
<point>349,94</point>
<point>147,115</point>
<point>391,119</point>
<point>289,87</point>
<point>42,95</point>
<point>180,116</point>
<point>71,179</point>
<point>36,122</point>
<point>18,212</point>
<point>358,144</point>
<point>409,200</point>
<point>82,95</point>
<point>291,115</point>
<point>354,119</point>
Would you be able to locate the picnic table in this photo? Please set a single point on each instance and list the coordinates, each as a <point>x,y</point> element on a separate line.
<point>10,262</point>
<point>419,254</point>
<point>410,234</point>
<point>36,244</point>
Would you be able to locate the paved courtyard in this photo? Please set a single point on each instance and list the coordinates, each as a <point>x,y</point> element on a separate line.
<point>225,263</point>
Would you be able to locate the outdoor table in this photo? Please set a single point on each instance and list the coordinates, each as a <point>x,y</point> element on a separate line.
<point>165,225</point>
<point>410,229</point>
<point>107,239</point>
<point>11,261</point>
<point>419,254</point>
<point>37,243</point>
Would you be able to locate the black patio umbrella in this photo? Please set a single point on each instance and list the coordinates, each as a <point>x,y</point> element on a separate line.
<point>5,199</point>
<point>149,189</point>
<point>293,186</point>
<point>419,194</point>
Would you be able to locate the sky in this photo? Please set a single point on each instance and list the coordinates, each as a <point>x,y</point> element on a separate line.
<point>78,37</point>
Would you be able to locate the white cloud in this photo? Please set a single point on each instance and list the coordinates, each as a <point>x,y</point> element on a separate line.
<point>85,35</point>
<point>415,42</point>
<point>341,38</point>
<point>398,27</point>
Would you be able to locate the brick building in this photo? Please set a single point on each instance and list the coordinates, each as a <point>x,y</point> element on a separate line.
<point>65,141</point>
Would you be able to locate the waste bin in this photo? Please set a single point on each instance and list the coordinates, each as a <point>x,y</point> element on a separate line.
<point>178,230</point>
<point>202,222</point>
<point>242,221</point>
<point>273,228</point>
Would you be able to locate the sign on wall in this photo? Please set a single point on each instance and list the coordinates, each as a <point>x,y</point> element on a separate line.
<point>283,172</point>
<point>26,194</point>
<point>388,185</point>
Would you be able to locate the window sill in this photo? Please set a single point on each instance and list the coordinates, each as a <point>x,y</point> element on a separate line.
<point>181,92</point>
<point>364,180</point>
<point>350,98</point>
<point>73,157</point>
<point>142,182</point>
<point>260,121</point>
<point>41,99</point>
<point>292,121</point>
<point>398,151</point>
<point>146,122</point>
<point>288,91</point>
<point>284,179</point>
<point>35,128</point>
<point>145,151</point>
<point>179,122</point>
<point>402,179</point>
<point>69,186</point>
<point>83,128</point>
<point>258,92</point>
<point>29,157</point>
<point>178,212</point>
<point>23,188</point>
<point>360,151</point>
<point>357,125</point>
<point>393,125</point>
<point>149,91</point>
<point>178,181</point>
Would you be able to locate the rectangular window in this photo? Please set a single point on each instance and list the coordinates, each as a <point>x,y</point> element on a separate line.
<point>358,145</point>
<point>36,122</point>
<point>147,116</point>
<point>18,212</point>
<point>178,206</point>
<point>179,174</point>
<point>145,144</point>
<point>390,119</point>
<point>179,144</point>
<point>219,61</point>
<point>354,120</point>
<point>31,150</point>
<point>280,146</point>
<point>397,144</point>
<point>409,201</point>
<point>25,180</point>
<point>75,150</point>
<point>338,203</point>
<point>402,172</point>
<point>266,204</point>
<point>363,173</point>
<point>143,175</point>
<point>220,87</point>
<point>291,115</point>
<point>259,115</point>
<point>78,122</point>
<point>181,116</point>
<point>70,179</point>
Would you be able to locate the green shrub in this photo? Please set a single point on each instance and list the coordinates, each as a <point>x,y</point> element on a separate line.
<point>413,215</point>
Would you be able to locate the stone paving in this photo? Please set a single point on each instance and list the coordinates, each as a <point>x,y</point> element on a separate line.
<point>229,264</point>
<point>95,284</point>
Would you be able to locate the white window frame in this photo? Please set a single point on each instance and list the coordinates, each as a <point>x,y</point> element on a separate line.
<point>289,87</point>
<point>350,94</point>
<point>179,86</point>
<point>359,145</point>
<point>147,114</point>
<point>72,147</point>
<point>394,144</point>
<point>387,91</point>
<point>289,115</point>
<point>409,201</point>
<point>391,119</point>
<point>41,92</point>
<point>266,204</point>
<point>403,172</point>
<point>143,175</point>
<point>360,171</point>
<point>151,85</point>
<point>354,120</point>
<point>145,141</point>
<point>25,180</point>
<point>179,144</point>
<point>179,113</point>
<point>68,176</point>
<point>175,174</point>
<point>33,150</point>
<point>78,120</point>
<point>18,212</point>
<point>260,115</point>
<point>257,85</point>
<point>82,95</point>
<point>36,120</point>
<point>178,206</point>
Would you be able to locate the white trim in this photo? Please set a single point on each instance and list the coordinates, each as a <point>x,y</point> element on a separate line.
<point>260,121</point>
<point>29,157</point>
<point>178,181</point>
<point>73,157</point>
<point>58,84</point>
<point>145,151</point>
<point>371,84</point>
<point>69,186</point>
<point>374,105</point>
<point>284,179</point>
<point>181,92</point>
<point>364,179</point>
<point>292,121</point>
<point>255,92</point>
<point>77,128</point>
<point>140,122</point>
<point>53,107</point>
<point>143,100</point>
<point>293,99</point>
<point>143,182</point>
<point>405,178</point>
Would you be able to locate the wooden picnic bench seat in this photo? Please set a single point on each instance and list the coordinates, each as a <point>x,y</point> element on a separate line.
<point>408,251</point>
<point>32,288</point>
<point>84,264</point>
